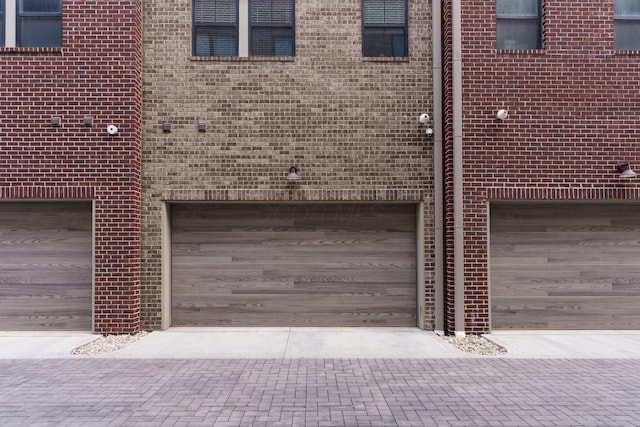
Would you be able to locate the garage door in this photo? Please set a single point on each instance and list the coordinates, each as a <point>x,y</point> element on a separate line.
<point>45,266</point>
<point>565,266</point>
<point>294,265</point>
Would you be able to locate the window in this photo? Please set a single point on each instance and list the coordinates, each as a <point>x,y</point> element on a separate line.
<point>39,23</point>
<point>31,23</point>
<point>626,22</point>
<point>271,28</point>
<point>243,28</point>
<point>384,28</point>
<point>518,24</point>
<point>215,28</point>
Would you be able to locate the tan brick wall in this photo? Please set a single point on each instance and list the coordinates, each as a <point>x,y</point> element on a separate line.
<point>348,123</point>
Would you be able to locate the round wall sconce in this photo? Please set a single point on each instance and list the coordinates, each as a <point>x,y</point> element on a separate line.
<point>502,114</point>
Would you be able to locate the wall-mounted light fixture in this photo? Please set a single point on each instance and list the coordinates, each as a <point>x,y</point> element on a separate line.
<point>166,127</point>
<point>202,127</point>
<point>112,130</point>
<point>87,121</point>
<point>56,121</point>
<point>625,171</point>
<point>424,119</point>
<point>293,174</point>
<point>502,114</point>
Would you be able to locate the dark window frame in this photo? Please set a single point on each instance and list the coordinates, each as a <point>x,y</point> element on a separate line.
<point>20,15</point>
<point>196,25</point>
<point>273,26</point>
<point>624,18</point>
<point>405,29</point>
<point>523,18</point>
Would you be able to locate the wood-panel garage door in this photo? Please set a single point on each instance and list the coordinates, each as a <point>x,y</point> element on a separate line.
<point>45,266</point>
<point>565,266</point>
<point>294,265</point>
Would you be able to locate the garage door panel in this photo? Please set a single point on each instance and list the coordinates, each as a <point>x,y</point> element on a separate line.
<point>270,258</point>
<point>297,274</point>
<point>581,312</point>
<point>212,290</point>
<point>320,263</point>
<point>43,288</point>
<point>44,273</point>
<point>45,266</point>
<point>372,245</point>
<point>531,281</point>
<point>298,309</point>
<point>47,319</point>
<point>526,288</point>
<point>257,217</point>
<point>576,269</point>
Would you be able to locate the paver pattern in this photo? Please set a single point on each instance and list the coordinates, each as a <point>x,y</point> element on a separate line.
<point>308,392</point>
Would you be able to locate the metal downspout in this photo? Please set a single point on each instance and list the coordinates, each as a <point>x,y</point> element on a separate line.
<point>438,180</point>
<point>458,201</point>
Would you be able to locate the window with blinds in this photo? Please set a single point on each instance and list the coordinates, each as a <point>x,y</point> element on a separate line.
<point>215,29</point>
<point>518,24</point>
<point>39,23</point>
<point>271,28</point>
<point>626,24</point>
<point>384,28</point>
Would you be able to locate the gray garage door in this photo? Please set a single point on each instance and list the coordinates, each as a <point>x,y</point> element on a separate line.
<point>565,266</point>
<point>45,266</point>
<point>294,265</point>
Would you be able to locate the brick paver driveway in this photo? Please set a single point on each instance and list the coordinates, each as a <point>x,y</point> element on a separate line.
<point>483,391</point>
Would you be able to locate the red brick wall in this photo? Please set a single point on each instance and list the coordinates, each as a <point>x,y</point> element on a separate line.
<point>97,73</point>
<point>573,115</point>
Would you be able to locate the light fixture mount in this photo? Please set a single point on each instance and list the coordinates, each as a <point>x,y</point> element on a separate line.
<point>625,171</point>
<point>293,174</point>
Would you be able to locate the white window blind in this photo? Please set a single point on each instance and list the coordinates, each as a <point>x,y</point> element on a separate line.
<point>215,27</point>
<point>272,29</point>
<point>384,28</point>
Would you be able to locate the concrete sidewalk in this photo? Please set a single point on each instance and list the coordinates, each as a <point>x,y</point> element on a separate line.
<point>291,343</point>
<point>323,343</point>
<point>569,344</point>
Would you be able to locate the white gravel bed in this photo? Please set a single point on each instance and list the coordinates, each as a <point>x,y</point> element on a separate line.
<point>107,344</point>
<point>476,344</point>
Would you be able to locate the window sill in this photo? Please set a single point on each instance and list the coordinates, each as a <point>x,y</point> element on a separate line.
<point>521,51</point>
<point>30,50</point>
<point>627,52</point>
<point>385,58</point>
<point>242,58</point>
